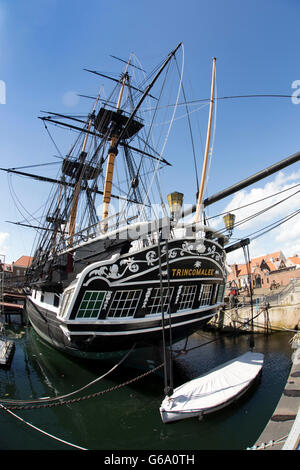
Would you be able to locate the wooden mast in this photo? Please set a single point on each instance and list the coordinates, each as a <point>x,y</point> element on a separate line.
<point>201,190</point>
<point>112,153</point>
<point>77,187</point>
<point>116,139</point>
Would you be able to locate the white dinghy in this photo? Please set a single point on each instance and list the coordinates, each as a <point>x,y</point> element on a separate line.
<point>213,390</point>
<point>6,351</point>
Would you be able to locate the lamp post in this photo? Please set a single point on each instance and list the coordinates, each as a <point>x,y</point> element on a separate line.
<point>229,222</point>
<point>175,201</point>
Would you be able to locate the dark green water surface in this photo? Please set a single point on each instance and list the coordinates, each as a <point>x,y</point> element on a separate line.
<point>128,417</point>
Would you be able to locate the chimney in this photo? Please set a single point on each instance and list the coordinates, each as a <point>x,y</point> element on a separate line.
<point>235,269</point>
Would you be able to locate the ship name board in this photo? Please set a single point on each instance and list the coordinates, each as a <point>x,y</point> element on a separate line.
<point>192,272</point>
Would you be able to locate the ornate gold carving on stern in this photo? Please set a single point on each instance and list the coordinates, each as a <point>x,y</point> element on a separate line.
<point>186,250</point>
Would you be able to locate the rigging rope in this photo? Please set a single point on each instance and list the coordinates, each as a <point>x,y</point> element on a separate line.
<point>255,202</point>
<point>16,200</point>
<point>191,134</point>
<point>53,141</point>
<point>233,97</point>
<point>275,225</point>
<point>172,118</point>
<point>248,218</point>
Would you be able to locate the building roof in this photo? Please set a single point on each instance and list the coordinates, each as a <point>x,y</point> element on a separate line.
<point>24,261</point>
<point>294,259</point>
<point>273,261</point>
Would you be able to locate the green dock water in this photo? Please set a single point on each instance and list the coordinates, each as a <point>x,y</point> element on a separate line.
<point>128,417</point>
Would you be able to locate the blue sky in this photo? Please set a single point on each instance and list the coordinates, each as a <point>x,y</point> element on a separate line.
<point>45,44</point>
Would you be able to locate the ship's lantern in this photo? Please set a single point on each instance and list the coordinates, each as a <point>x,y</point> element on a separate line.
<point>175,201</point>
<point>229,222</point>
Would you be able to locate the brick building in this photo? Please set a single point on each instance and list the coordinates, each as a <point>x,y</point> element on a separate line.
<point>293,261</point>
<point>20,266</point>
<point>15,271</point>
<point>265,271</point>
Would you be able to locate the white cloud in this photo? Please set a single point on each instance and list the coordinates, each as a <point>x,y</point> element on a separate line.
<point>256,248</point>
<point>286,237</point>
<point>289,231</point>
<point>3,243</point>
<point>267,213</point>
<point>70,99</point>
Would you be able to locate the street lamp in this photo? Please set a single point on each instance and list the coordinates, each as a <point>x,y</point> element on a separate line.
<point>229,222</point>
<point>175,201</point>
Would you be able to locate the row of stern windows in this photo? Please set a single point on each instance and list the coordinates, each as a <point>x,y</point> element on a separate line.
<point>124,303</point>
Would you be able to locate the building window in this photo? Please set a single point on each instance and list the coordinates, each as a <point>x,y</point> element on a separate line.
<point>220,295</point>
<point>91,304</point>
<point>124,303</point>
<point>187,296</point>
<point>155,301</point>
<point>205,294</point>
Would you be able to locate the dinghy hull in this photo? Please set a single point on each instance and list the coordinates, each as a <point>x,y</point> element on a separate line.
<point>214,390</point>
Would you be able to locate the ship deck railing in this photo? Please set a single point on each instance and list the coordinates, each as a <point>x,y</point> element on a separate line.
<point>147,233</point>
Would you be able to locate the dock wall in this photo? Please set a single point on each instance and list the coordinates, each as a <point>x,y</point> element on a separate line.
<point>265,317</point>
<point>282,432</point>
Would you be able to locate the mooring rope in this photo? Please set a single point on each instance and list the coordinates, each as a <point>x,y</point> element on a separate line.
<point>271,443</point>
<point>48,399</point>
<point>12,405</point>
<point>40,430</point>
<point>52,404</point>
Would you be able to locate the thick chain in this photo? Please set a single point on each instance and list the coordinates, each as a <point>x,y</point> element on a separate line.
<point>86,397</point>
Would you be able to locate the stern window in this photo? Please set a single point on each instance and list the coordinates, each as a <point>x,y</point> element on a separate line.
<point>124,303</point>
<point>91,304</point>
<point>220,296</point>
<point>154,302</point>
<point>187,296</point>
<point>205,295</point>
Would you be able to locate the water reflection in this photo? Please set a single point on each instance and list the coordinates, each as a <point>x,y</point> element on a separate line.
<point>128,417</point>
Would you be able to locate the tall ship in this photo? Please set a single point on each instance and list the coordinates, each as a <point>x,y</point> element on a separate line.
<point>113,266</point>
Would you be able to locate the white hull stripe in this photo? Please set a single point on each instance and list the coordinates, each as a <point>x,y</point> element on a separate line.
<point>131,332</point>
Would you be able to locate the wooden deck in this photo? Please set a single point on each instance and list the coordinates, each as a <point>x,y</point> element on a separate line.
<point>12,304</point>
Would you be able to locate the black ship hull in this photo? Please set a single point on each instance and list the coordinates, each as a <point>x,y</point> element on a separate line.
<point>116,303</point>
<point>91,342</point>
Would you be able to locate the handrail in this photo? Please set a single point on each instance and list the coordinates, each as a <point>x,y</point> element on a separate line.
<point>132,232</point>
